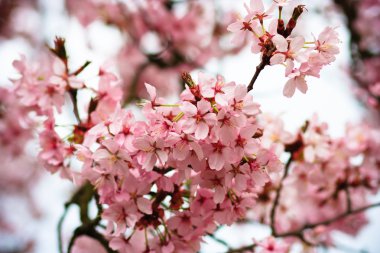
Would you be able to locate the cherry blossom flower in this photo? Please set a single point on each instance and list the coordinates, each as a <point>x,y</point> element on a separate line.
<point>256,9</point>
<point>151,151</point>
<point>269,245</point>
<point>198,118</point>
<point>287,50</point>
<point>327,44</point>
<point>297,80</point>
<point>242,29</point>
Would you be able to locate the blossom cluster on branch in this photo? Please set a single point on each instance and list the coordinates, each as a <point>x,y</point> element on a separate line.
<point>277,46</point>
<point>209,160</point>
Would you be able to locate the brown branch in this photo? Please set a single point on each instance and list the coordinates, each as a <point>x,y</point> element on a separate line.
<point>73,95</point>
<point>299,232</point>
<point>82,197</point>
<point>277,197</point>
<point>242,249</point>
<point>348,199</point>
<point>59,229</point>
<point>259,68</point>
<point>328,221</point>
<point>218,240</point>
<point>134,83</point>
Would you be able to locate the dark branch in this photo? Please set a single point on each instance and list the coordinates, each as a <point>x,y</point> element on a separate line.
<point>278,196</point>
<point>259,68</point>
<point>218,240</point>
<point>299,233</point>
<point>59,229</point>
<point>328,221</point>
<point>73,95</point>
<point>242,249</point>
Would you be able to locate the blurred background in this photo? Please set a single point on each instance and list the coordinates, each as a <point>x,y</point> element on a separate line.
<point>32,200</point>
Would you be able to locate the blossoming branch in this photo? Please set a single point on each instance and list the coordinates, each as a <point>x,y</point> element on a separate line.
<point>207,161</point>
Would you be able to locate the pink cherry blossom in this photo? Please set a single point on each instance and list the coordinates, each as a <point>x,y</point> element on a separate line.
<point>242,29</point>
<point>198,119</point>
<point>287,50</point>
<point>269,245</point>
<point>151,151</point>
<point>327,44</point>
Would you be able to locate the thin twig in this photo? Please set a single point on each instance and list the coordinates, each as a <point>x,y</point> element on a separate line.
<point>259,68</point>
<point>242,249</point>
<point>277,197</point>
<point>134,83</point>
<point>59,229</point>
<point>297,233</point>
<point>212,236</point>
<point>348,199</point>
<point>328,221</point>
<point>73,96</point>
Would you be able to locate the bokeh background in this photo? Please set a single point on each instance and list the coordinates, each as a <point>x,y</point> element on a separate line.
<point>36,199</point>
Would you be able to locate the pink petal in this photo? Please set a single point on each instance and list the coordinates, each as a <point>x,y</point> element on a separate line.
<point>277,59</point>
<point>180,152</point>
<point>257,6</point>
<point>239,37</point>
<point>210,118</point>
<point>151,91</point>
<point>280,42</point>
<point>197,149</point>
<point>235,27</point>
<point>301,84</point>
<point>289,67</point>
<point>150,161</point>
<point>240,92</point>
<point>100,154</point>
<point>216,161</point>
<point>201,131</point>
<point>144,205</point>
<point>188,108</point>
<point>111,145</point>
<point>142,144</point>
<point>289,88</point>
<point>297,43</point>
<point>162,156</point>
<point>203,106</point>
<point>219,195</point>
<point>309,154</point>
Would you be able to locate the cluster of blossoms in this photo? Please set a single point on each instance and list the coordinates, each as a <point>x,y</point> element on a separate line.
<point>209,160</point>
<point>327,177</point>
<point>190,167</point>
<point>48,83</point>
<point>213,158</point>
<point>157,51</point>
<point>44,88</point>
<point>278,45</point>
